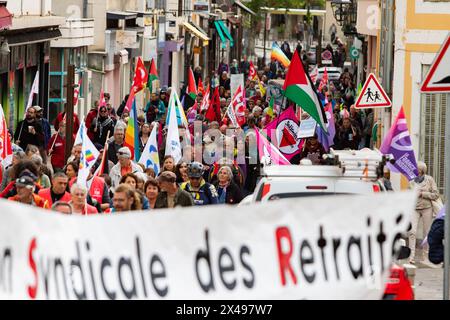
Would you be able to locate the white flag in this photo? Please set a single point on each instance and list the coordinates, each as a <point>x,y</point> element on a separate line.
<point>34,90</point>
<point>150,156</point>
<point>88,157</point>
<point>173,145</point>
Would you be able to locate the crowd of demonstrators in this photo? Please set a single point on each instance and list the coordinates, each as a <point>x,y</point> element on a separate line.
<point>216,177</point>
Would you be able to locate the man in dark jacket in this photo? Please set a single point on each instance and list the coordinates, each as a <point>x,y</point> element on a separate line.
<point>45,125</point>
<point>29,131</point>
<point>171,195</point>
<point>202,192</point>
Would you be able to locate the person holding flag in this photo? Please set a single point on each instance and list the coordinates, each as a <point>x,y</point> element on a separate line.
<point>150,155</point>
<point>88,157</point>
<point>29,131</point>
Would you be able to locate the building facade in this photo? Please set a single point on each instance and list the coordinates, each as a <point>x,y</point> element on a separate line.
<point>25,45</point>
<point>421,28</point>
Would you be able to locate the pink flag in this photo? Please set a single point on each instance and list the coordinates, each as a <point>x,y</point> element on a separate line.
<point>324,81</point>
<point>268,153</point>
<point>77,92</point>
<point>283,132</point>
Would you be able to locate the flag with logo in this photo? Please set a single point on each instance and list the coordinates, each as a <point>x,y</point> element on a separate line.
<point>268,153</point>
<point>132,133</point>
<point>283,132</point>
<point>140,81</point>
<point>327,140</point>
<point>398,145</point>
<point>204,105</point>
<point>236,109</point>
<point>88,157</point>
<point>34,90</point>
<point>150,156</point>
<point>6,153</point>
<point>324,81</point>
<point>298,88</point>
<point>252,71</point>
<point>173,145</point>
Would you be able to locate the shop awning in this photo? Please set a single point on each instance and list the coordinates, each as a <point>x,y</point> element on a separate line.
<point>5,18</point>
<point>196,31</point>
<point>32,37</point>
<point>120,15</point>
<point>243,7</point>
<point>223,32</point>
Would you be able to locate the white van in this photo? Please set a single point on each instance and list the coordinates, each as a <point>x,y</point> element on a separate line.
<point>351,172</point>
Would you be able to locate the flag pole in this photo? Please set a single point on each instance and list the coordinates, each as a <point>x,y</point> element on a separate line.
<point>447,205</point>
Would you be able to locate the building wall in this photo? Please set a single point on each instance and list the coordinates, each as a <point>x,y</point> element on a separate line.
<point>421,28</point>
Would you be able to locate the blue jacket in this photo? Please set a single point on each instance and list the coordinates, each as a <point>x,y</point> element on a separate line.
<point>47,131</point>
<point>206,194</point>
<point>435,241</point>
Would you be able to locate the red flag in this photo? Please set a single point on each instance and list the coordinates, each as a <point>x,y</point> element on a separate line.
<point>205,101</point>
<point>201,89</point>
<point>76,92</point>
<point>324,80</point>
<point>6,153</point>
<point>252,72</point>
<point>102,101</point>
<point>103,167</point>
<point>140,77</point>
<point>213,113</point>
<point>236,109</point>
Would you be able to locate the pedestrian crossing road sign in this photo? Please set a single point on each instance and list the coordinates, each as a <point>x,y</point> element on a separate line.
<point>438,78</point>
<point>372,95</point>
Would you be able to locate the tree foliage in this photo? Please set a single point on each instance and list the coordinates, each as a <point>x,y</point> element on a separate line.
<point>256,5</point>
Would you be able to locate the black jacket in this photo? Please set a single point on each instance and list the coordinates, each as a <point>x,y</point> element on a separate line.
<point>23,134</point>
<point>182,198</point>
<point>234,193</point>
<point>435,241</point>
<point>112,152</point>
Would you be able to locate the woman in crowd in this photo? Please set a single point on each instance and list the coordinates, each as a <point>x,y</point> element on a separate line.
<point>151,189</point>
<point>43,179</point>
<point>228,191</point>
<point>181,172</point>
<point>7,174</point>
<point>427,193</point>
<point>144,135</point>
<point>79,201</point>
<point>23,165</point>
<point>132,180</point>
<point>71,169</point>
<point>168,164</point>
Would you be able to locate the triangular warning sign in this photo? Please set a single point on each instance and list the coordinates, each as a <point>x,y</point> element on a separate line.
<point>438,78</point>
<point>288,139</point>
<point>372,95</point>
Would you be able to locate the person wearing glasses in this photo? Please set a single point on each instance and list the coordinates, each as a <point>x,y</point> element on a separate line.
<point>124,166</point>
<point>102,126</point>
<point>202,192</point>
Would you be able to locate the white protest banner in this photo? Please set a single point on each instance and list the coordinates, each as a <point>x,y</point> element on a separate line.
<point>307,128</point>
<point>236,80</point>
<point>314,248</point>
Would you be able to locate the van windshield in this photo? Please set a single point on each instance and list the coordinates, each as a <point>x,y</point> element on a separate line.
<point>301,195</point>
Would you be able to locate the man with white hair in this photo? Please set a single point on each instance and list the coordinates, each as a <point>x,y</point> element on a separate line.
<point>124,166</point>
<point>117,143</point>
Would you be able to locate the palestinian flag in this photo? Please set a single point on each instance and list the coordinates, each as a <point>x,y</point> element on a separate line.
<point>152,76</point>
<point>297,87</point>
<point>191,94</point>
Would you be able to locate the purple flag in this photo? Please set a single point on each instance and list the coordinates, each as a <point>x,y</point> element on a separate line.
<point>398,144</point>
<point>325,139</point>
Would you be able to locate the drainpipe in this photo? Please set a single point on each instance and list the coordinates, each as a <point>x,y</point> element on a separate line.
<point>85,9</point>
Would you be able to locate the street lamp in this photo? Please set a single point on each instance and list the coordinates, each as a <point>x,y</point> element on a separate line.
<point>345,13</point>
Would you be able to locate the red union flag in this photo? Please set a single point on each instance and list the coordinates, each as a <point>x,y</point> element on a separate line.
<point>6,152</point>
<point>236,109</point>
<point>205,101</point>
<point>140,76</point>
<point>252,71</point>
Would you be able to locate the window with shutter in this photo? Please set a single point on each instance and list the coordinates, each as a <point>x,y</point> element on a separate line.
<point>432,134</point>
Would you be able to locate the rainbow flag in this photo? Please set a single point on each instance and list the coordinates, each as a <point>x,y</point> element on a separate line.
<point>89,156</point>
<point>132,133</point>
<point>278,54</point>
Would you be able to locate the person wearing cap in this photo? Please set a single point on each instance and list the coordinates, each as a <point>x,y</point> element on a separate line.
<point>57,192</point>
<point>45,124</point>
<point>202,192</point>
<point>29,130</point>
<point>25,186</point>
<point>171,195</point>
<point>124,166</point>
